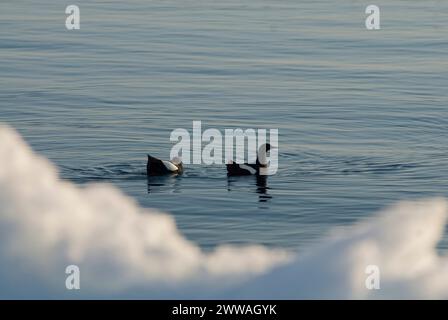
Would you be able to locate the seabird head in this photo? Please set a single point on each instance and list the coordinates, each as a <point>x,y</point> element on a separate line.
<point>176,160</point>
<point>265,148</point>
<point>268,147</point>
<point>262,154</point>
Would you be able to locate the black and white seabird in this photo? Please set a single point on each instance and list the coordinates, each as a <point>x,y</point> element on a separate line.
<point>246,169</point>
<point>157,167</point>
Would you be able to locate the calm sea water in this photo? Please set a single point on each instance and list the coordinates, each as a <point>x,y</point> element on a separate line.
<point>362,115</point>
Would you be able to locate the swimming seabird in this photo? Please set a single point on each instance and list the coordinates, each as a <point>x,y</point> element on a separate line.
<point>157,167</point>
<point>246,169</point>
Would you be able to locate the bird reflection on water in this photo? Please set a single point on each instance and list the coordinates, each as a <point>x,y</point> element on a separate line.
<point>260,184</point>
<point>169,183</point>
<point>175,184</point>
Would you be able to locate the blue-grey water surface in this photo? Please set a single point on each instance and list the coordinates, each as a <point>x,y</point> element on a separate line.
<point>362,115</point>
